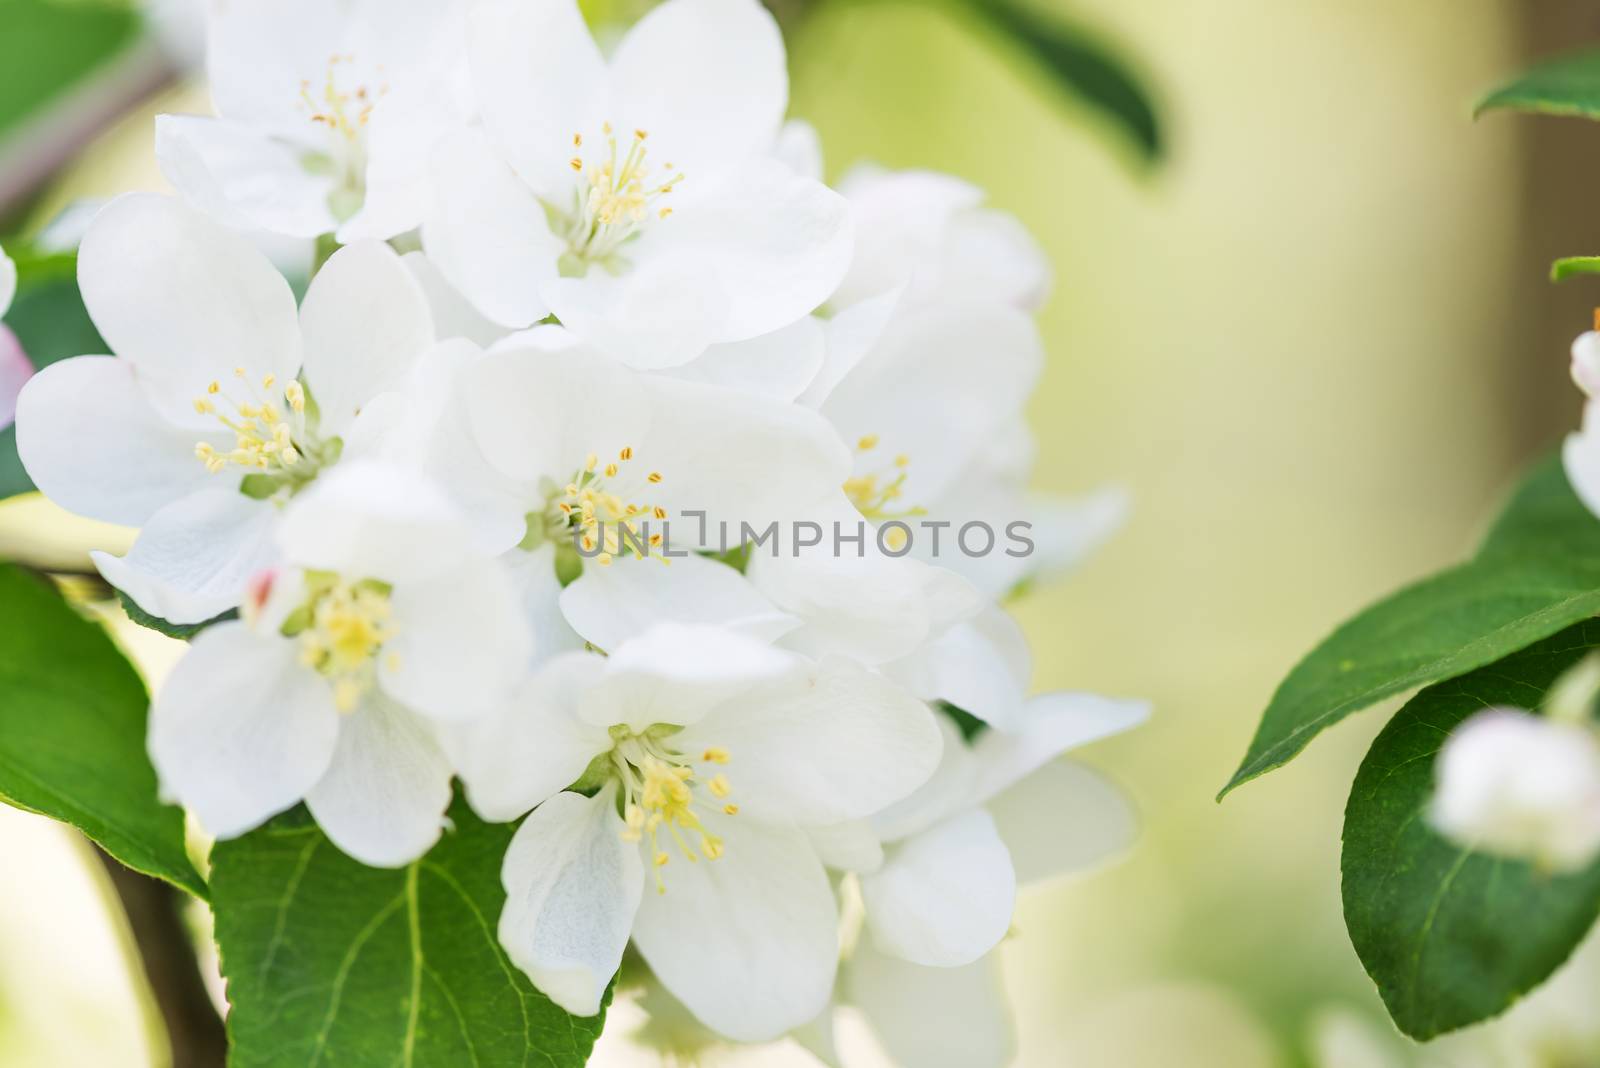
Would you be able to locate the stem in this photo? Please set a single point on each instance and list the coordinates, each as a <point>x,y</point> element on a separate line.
<point>166,951</point>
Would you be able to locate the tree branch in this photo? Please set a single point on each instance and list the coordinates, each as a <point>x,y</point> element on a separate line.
<point>166,952</point>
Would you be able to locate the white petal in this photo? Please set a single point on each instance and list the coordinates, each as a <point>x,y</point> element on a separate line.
<point>1066,530</point>
<point>609,605</point>
<point>1580,454</point>
<point>990,255</point>
<point>944,897</point>
<point>903,217</point>
<point>779,365</point>
<point>193,558</point>
<point>453,315</point>
<point>748,942</point>
<point>461,642</point>
<point>93,444</point>
<point>981,666</point>
<point>572,888</point>
<point>367,519</point>
<point>241,730</point>
<point>658,313</point>
<point>533,577</point>
<point>800,148</point>
<point>259,52</point>
<point>242,176</point>
<point>15,370</point>
<point>185,300</point>
<point>1061,820</point>
<point>838,743</point>
<point>535,746</point>
<point>934,1017</point>
<point>365,322</point>
<point>1050,725</point>
<point>850,335</point>
<point>776,242</point>
<point>948,790</point>
<point>540,80</point>
<point>8,281</point>
<point>851,846</point>
<point>401,135</point>
<point>677,672</point>
<point>707,78</point>
<point>384,796</point>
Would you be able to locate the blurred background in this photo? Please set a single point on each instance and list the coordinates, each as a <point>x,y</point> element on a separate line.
<point>1313,338</point>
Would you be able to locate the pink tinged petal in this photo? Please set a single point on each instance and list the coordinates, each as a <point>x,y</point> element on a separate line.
<point>609,605</point>
<point>748,942</point>
<point>776,243</point>
<point>779,365</point>
<point>185,301</point>
<point>572,889</point>
<point>383,798</point>
<point>534,746</point>
<point>461,641</point>
<point>15,370</point>
<point>834,744</point>
<point>487,233</point>
<point>1050,725</point>
<point>708,79</point>
<point>241,730</point>
<point>194,559</point>
<point>92,443</point>
<point>933,1017</point>
<point>365,322</point>
<point>242,176</point>
<point>540,80</point>
<point>1064,819</point>
<point>944,897</point>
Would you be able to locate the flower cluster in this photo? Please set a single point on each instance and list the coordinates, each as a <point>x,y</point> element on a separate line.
<point>563,297</point>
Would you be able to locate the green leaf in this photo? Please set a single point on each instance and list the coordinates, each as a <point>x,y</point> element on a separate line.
<point>161,626</point>
<point>1082,65</point>
<point>1450,936</point>
<point>72,732</point>
<point>1571,266</point>
<point>332,963</point>
<point>1537,573</point>
<point>47,46</point>
<point>1569,85</point>
<point>52,324</point>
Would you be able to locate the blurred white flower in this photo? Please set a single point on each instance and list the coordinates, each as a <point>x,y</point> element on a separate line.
<point>1586,362</point>
<point>1518,785</point>
<point>328,114</point>
<point>222,401</point>
<point>8,281</point>
<point>380,622</point>
<point>703,756</point>
<point>639,198</point>
<point>15,370</point>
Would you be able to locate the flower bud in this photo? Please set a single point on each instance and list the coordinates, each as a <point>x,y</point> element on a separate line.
<point>1518,785</point>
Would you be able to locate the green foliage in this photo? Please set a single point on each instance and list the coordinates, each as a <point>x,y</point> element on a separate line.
<point>332,963</point>
<point>52,324</point>
<point>1569,85</point>
<point>1572,266</point>
<point>1537,573</point>
<point>72,732</point>
<point>46,46</point>
<point>1081,65</point>
<point>1450,936</point>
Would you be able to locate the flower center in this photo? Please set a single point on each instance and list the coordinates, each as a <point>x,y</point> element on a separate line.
<point>273,438</point>
<point>875,493</point>
<point>617,194</point>
<point>661,799</point>
<point>342,627</point>
<point>344,113</point>
<point>602,522</point>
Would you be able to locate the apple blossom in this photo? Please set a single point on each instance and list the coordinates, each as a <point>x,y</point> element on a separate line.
<point>15,370</point>
<point>696,758</point>
<point>638,198</point>
<point>379,623</point>
<point>222,402</point>
<point>328,112</point>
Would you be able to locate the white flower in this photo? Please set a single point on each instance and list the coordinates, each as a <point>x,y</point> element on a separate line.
<point>381,622</point>
<point>15,370</point>
<point>1586,362</point>
<point>328,112</point>
<point>1514,784</point>
<point>223,399</point>
<point>639,198</point>
<point>707,753</point>
<point>999,813</point>
<point>930,235</point>
<point>8,281</point>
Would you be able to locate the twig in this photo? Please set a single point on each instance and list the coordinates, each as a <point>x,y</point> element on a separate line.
<point>166,952</point>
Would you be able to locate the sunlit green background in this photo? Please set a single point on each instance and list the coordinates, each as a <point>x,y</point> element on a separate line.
<point>1316,346</point>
